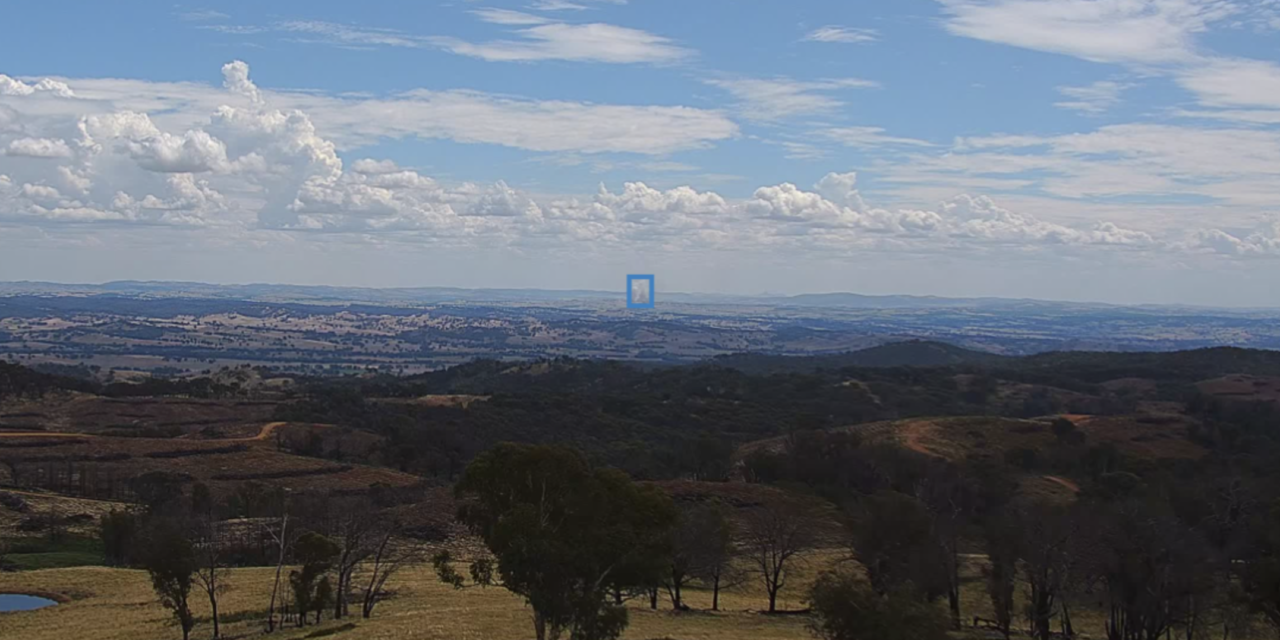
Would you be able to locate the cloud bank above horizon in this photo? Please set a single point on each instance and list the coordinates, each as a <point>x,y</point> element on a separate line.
<point>1175,197</point>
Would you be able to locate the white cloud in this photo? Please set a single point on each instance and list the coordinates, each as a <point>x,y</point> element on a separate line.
<point>259,169</point>
<point>869,138</point>
<point>235,77</point>
<point>1152,36</point>
<point>14,87</point>
<point>1094,98</point>
<point>558,5</point>
<point>1260,243</point>
<point>1234,167</point>
<point>574,42</point>
<point>1234,82</point>
<point>375,167</point>
<point>768,99</point>
<point>347,35</point>
<point>849,35</point>
<point>462,116</point>
<point>1117,31</point>
<point>508,16</point>
<point>202,15</point>
<point>540,39</point>
<point>38,148</point>
<point>155,150</point>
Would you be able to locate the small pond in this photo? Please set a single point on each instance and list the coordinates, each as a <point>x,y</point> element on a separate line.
<point>19,602</point>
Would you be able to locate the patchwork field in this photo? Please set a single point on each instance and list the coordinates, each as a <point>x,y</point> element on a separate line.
<point>100,466</point>
<point>170,417</point>
<point>1243,387</point>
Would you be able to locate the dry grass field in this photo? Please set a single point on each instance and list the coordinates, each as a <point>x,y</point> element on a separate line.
<point>84,413</point>
<point>32,458</point>
<point>117,604</point>
<point>1243,387</point>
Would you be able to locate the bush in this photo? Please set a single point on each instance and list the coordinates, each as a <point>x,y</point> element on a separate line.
<point>846,608</point>
<point>14,502</point>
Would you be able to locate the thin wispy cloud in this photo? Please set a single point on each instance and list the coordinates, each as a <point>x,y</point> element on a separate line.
<point>558,5</point>
<point>1092,99</point>
<point>772,99</point>
<point>847,35</point>
<point>539,39</point>
<point>509,17</point>
<point>595,42</point>
<point>202,15</point>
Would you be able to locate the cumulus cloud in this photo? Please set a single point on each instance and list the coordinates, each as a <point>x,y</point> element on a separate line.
<point>258,164</point>
<point>461,116</point>
<point>38,148</point>
<point>1259,243</point>
<point>14,87</point>
<point>235,77</point>
<point>153,149</point>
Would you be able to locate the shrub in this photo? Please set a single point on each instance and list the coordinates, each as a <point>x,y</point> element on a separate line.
<point>846,608</point>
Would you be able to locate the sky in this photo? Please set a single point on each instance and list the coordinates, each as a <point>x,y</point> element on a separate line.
<point>1104,150</point>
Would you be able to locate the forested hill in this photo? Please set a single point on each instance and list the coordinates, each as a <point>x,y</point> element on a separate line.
<point>910,353</point>
<point>662,422</point>
<point>17,380</point>
<point>1096,366</point>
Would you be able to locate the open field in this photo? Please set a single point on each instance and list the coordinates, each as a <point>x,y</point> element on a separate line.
<point>98,466</point>
<point>955,438</point>
<point>117,604</point>
<point>85,413</point>
<point>1244,388</point>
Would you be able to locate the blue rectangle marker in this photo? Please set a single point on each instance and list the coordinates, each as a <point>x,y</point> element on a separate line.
<point>640,293</point>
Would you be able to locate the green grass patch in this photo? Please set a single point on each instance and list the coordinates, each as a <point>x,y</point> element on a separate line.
<point>30,553</point>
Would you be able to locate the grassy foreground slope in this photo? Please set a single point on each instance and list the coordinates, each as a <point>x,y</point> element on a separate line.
<point>117,604</point>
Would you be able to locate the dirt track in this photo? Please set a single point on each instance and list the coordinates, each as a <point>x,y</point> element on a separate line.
<point>913,432</point>
<point>1075,488</point>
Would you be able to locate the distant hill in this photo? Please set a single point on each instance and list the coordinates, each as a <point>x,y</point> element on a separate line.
<point>909,353</point>
<point>1191,365</point>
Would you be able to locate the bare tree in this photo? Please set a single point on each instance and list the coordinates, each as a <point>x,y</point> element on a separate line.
<point>280,539</point>
<point>717,554</point>
<point>357,532</point>
<point>389,556</point>
<point>211,571</point>
<point>774,534</point>
<point>697,542</point>
<point>949,502</point>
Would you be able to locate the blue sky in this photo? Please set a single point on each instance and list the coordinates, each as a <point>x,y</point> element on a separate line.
<point>1119,150</point>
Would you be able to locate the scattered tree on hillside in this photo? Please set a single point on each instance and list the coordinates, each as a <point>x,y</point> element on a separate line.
<point>1001,572</point>
<point>565,535</point>
<point>316,553</point>
<point>170,561</point>
<point>280,533</point>
<point>211,569</point>
<point>356,531</point>
<point>716,566</point>
<point>119,532</point>
<point>893,539</point>
<point>773,535</point>
<point>389,556</point>
<point>699,545</point>
<point>846,608</point>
